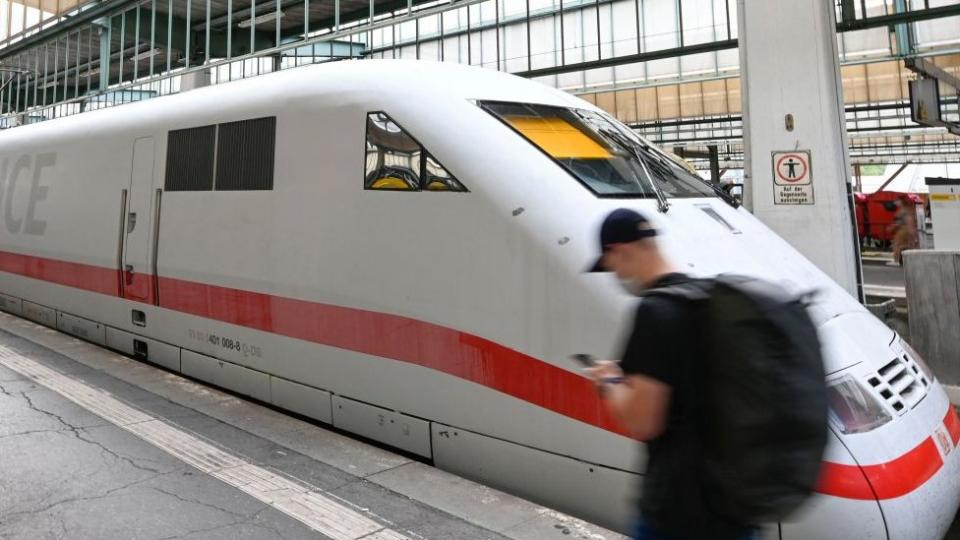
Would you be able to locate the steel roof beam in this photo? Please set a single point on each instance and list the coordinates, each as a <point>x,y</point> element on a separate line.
<point>905,17</point>
<point>675,52</point>
<point>363,13</point>
<point>65,27</point>
<point>178,34</point>
<point>111,6</point>
<point>242,14</point>
<point>927,68</point>
<point>846,26</point>
<point>347,17</point>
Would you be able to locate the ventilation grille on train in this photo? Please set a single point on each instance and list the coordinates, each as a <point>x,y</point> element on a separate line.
<point>190,159</point>
<point>900,383</point>
<point>245,154</point>
<point>233,156</point>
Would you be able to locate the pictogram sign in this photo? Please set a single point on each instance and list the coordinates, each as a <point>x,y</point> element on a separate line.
<point>792,177</point>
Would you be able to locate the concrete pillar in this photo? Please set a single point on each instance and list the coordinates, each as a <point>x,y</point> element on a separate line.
<point>797,177</point>
<point>933,295</point>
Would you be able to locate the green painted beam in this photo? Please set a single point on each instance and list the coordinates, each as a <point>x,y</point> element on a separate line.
<point>144,21</point>
<point>65,27</point>
<point>240,44</point>
<point>54,94</point>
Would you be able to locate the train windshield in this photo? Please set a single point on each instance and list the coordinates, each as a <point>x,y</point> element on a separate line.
<point>605,156</point>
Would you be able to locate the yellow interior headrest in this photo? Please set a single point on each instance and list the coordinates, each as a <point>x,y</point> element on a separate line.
<point>390,182</point>
<point>437,185</point>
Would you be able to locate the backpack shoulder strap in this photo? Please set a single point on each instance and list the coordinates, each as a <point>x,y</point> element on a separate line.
<point>694,289</point>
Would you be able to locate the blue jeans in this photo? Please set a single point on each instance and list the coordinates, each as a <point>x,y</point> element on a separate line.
<point>642,531</point>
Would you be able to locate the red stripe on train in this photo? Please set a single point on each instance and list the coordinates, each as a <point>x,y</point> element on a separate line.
<point>408,340</point>
<point>885,480</point>
<point>447,350</point>
<point>952,423</point>
<point>80,276</point>
<point>847,481</point>
<point>462,355</point>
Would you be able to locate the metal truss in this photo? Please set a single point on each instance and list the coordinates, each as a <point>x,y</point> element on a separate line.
<point>853,15</point>
<point>117,51</point>
<point>878,134</point>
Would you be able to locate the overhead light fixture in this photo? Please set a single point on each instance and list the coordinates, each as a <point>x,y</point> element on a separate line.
<point>260,19</point>
<point>146,54</point>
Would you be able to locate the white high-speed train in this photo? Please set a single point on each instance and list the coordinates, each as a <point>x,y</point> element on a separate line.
<point>397,248</point>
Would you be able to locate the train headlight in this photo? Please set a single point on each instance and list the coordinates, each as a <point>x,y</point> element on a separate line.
<point>853,409</point>
<point>915,356</point>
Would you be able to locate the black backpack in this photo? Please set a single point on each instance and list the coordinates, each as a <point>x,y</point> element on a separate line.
<point>761,399</point>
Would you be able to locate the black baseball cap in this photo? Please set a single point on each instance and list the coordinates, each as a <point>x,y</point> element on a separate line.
<point>622,226</point>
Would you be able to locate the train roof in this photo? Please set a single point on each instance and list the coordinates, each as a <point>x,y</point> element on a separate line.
<point>342,82</point>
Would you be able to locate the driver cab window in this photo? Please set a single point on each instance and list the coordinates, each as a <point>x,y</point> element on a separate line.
<point>436,178</point>
<point>395,161</point>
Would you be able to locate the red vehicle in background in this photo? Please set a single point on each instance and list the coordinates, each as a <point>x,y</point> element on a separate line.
<point>876,213</point>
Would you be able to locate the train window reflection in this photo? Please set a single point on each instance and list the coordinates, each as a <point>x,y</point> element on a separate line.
<point>395,161</point>
<point>393,157</point>
<point>436,177</point>
<point>605,156</point>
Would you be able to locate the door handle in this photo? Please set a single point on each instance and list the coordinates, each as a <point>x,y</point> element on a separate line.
<point>128,274</point>
<point>131,222</point>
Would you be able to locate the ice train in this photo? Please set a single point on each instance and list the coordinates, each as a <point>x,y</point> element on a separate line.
<point>396,248</point>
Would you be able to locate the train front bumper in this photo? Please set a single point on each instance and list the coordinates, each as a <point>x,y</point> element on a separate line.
<point>933,473</point>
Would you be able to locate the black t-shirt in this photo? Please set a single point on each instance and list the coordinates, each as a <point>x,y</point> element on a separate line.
<point>665,345</point>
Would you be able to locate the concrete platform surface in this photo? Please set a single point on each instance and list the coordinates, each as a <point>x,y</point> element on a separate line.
<point>94,445</point>
<point>882,280</point>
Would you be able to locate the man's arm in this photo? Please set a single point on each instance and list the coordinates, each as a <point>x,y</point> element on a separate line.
<point>640,403</point>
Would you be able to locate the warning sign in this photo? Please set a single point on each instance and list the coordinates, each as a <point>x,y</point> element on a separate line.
<point>792,178</point>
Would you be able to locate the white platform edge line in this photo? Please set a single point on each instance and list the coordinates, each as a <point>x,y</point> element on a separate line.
<point>329,518</point>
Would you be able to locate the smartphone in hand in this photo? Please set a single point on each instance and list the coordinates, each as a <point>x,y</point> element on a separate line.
<point>585,360</point>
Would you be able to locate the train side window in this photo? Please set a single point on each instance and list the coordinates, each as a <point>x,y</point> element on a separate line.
<point>190,159</point>
<point>437,178</point>
<point>245,154</point>
<point>395,161</point>
<point>392,156</point>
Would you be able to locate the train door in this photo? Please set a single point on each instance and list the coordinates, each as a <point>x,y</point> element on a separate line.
<point>137,281</point>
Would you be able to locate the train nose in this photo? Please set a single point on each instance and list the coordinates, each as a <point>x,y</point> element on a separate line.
<point>914,479</point>
<point>844,505</point>
<point>912,497</point>
<point>892,468</point>
<point>917,482</point>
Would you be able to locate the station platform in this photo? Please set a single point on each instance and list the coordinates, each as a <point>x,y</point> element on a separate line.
<point>97,445</point>
<point>882,280</point>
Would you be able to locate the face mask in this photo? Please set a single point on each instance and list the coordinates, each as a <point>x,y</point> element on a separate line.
<point>631,286</point>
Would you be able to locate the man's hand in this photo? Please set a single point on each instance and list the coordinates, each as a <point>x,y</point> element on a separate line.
<point>641,403</point>
<point>605,370</point>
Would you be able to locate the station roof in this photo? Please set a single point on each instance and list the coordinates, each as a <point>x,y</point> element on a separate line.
<point>676,81</point>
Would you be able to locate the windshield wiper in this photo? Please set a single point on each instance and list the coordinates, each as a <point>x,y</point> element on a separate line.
<point>632,145</point>
<point>663,206</point>
<point>724,195</point>
<point>715,187</point>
